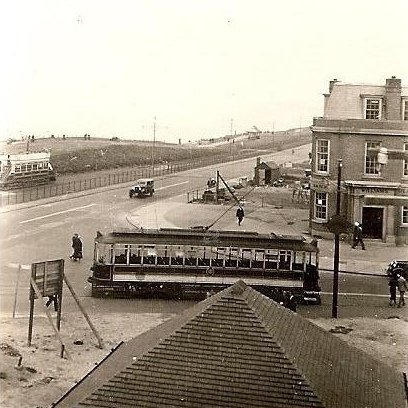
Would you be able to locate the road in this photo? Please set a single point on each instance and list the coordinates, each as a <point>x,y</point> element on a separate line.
<point>42,231</point>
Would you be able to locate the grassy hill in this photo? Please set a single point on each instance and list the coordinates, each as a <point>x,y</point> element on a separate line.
<point>77,155</point>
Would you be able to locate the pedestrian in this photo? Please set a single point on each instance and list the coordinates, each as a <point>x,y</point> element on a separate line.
<point>393,284</point>
<point>289,301</point>
<point>77,248</point>
<point>52,299</point>
<point>358,235</point>
<point>402,287</point>
<point>240,214</point>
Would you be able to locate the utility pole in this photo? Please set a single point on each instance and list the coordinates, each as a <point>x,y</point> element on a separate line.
<point>337,243</point>
<point>154,142</point>
<point>273,135</point>
<point>231,137</point>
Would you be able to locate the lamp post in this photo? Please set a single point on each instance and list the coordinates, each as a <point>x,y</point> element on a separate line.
<point>336,243</point>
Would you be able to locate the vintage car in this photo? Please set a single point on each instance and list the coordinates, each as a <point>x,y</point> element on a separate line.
<point>143,187</point>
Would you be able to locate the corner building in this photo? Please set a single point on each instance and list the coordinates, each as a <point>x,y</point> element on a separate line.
<point>358,120</point>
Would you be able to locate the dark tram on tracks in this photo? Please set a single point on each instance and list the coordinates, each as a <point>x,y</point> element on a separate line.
<point>184,263</point>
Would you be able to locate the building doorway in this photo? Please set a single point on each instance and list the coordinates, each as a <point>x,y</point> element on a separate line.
<point>373,222</point>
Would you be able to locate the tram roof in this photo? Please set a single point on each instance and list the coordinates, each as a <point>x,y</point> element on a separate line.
<point>25,157</point>
<point>197,237</point>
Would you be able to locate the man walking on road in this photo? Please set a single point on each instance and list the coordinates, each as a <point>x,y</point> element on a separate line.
<point>402,287</point>
<point>358,235</point>
<point>240,214</point>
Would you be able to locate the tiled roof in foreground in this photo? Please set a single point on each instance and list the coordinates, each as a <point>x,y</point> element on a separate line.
<point>239,349</point>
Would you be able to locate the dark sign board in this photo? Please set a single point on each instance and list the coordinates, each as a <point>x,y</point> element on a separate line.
<point>48,276</point>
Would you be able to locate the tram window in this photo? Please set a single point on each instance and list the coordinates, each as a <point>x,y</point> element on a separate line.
<point>218,258</point>
<point>231,258</point>
<point>35,166</point>
<point>17,168</point>
<point>23,167</point>
<point>135,257</point>
<point>149,255</point>
<point>191,256</point>
<point>103,253</point>
<point>245,258</point>
<point>312,258</point>
<point>298,261</point>
<point>121,253</point>
<point>40,165</point>
<point>162,255</point>
<point>285,258</point>
<point>204,256</point>
<point>258,260</point>
<point>177,255</point>
<point>271,259</point>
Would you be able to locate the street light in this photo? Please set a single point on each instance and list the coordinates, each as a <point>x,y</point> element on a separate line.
<point>337,243</point>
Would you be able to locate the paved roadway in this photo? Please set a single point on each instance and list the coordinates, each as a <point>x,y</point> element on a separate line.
<point>40,231</point>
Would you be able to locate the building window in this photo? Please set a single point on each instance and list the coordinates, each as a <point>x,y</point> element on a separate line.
<point>405,215</point>
<point>371,161</point>
<point>373,108</point>
<point>321,206</point>
<point>405,109</point>
<point>405,161</point>
<point>322,155</point>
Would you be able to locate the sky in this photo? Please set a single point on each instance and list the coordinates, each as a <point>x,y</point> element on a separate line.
<point>187,69</point>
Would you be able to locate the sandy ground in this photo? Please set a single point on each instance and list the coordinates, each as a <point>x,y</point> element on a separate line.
<point>43,376</point>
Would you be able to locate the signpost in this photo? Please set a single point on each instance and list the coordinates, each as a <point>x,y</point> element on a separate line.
<point>47,280</point>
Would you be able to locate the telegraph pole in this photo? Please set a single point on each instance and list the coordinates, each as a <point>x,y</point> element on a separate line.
<point>337,243</point>
<point>154,142</point>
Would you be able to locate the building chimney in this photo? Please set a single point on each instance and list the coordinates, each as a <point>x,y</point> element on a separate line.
<point>393,98</point>
<point>331,84</point>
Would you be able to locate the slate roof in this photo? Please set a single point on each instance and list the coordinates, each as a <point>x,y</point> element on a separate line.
<point>239,349</point>
<point>267,165</point>
<point>345,100</point>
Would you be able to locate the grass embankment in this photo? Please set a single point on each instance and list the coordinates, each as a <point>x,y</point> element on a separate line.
<point>77,155</point>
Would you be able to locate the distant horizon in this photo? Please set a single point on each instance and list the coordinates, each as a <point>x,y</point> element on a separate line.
<point>24,139</point>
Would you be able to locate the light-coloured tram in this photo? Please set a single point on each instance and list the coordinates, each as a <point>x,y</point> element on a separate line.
<point>184,262</point>
<point>25,170</point>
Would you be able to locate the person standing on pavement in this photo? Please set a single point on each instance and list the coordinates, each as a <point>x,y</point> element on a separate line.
<point>402,287</point>
<point>393,284</point>
<point>358,235</point>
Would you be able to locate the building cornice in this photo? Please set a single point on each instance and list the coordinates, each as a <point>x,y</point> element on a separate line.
<point>376,183</point>
<point>357,131</point>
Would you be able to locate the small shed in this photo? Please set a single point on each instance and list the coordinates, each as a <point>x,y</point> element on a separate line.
<point>266,172</point>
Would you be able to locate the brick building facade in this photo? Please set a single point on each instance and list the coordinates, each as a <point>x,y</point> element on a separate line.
<point>358,120</point>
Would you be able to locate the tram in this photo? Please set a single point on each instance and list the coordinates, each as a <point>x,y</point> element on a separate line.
<point>25,170</point>
<point>184,263</point>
